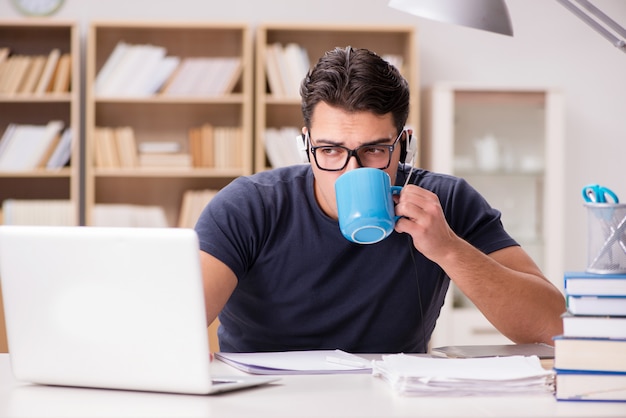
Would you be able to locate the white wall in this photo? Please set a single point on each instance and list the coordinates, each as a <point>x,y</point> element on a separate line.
<point>551,48</point>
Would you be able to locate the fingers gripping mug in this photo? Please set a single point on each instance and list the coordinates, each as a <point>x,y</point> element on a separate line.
<point>365,205</point>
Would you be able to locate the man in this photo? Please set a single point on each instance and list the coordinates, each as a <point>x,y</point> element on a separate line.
<point>282,277</point>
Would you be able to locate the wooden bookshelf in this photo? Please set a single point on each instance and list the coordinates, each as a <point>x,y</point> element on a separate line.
<point>163,118</point>
<point>277,111</point>
<point>32,38</point>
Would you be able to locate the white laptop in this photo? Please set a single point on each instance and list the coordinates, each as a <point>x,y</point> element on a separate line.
<point>117,308</point>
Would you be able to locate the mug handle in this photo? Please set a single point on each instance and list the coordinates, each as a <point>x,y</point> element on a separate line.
<point>396,190</point>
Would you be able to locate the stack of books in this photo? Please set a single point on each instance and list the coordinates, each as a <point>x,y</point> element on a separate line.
<point>589,357</point>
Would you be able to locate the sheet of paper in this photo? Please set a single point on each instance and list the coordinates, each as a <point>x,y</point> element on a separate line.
<point>461,377</point>
<point>297,362</point>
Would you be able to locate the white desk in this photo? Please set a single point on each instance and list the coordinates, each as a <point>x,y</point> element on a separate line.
<point>294,396</point>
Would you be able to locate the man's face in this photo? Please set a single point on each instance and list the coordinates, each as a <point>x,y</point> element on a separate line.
<point>334,126</point>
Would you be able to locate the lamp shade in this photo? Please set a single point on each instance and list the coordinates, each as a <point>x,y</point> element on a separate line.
<point>489,15</point>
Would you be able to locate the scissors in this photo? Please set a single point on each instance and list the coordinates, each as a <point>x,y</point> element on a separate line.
<point>594,193</point>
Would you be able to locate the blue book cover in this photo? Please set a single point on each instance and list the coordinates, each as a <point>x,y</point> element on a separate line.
<point>581,283</point>
<point>596,305</point>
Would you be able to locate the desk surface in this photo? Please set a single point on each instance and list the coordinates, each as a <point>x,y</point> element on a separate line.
<point>356,395</point>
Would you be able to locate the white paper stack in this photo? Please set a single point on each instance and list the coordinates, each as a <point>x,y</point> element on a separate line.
<point>423,376</point>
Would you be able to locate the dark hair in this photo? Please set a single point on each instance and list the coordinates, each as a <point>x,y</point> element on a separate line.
<point>356,79</point>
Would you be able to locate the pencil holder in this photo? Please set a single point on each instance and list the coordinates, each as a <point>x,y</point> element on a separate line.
<point>606,247</point>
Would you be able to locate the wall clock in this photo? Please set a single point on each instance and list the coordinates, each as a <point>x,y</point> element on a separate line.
<point>37,7</point>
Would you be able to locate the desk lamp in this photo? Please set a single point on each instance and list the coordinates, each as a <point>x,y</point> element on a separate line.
<point>493,15</point>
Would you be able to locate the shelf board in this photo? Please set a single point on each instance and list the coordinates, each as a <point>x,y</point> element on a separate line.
<point>181,172</point>
<point>499,173</point>
<point>235,98</point>
<point>32,98</point>
<point>273,100</point>
<point>63,172</point>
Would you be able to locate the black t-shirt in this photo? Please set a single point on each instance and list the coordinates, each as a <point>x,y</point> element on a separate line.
<point>303,286</point>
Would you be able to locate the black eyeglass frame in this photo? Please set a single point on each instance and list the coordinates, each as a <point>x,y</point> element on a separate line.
<point>352,152</point>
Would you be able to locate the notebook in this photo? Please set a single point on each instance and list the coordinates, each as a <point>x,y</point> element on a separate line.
<point>116,308</point>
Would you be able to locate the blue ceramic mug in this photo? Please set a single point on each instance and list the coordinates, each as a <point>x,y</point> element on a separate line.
<point>365,205</point>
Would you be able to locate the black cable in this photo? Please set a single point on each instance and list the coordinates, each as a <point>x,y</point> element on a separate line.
<point>419,292</point>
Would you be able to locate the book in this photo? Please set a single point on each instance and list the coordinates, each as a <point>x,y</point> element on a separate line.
<point>105,149</point>
<point>27,145</point>
<point>128,215</point>
<point>107,69</point>
<point>4,53</point>
<point>43,160</point>
<point>43,85</point>
<point>39,212</point>
<point>204,76</point>
<point>281,146</point>
<point>297,61</point>
<point>283,70</point>
<point>232,74</point>
<point>62,75</point>
<point>124,68</point>
<point>272,70</point>
<point>33,75</point>
<point>62,153</point>
<point>192,205</point>
<point>162,74</point>
<point>146,147</point>
<point>126,147</point>
<point>6,138</point>
<point>597,305</point>
<point>18,69</point>
<point>594,326</point>
<point>590,354</point>
<point>185,77</point>
<point>207,145</point>
<point>139,82</point>
<point>227,146</point>
<point>575,385</point>
<point>586,284</point>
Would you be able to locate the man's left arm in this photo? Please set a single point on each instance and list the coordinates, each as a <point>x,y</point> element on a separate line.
<point>510,290</point>
<point>506,285</point>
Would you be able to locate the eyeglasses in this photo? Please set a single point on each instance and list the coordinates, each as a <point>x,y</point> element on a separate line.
<point>336,157</point>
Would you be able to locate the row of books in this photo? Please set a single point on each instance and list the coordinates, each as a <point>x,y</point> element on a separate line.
<point>287,65</point>
<point>216,146</point>
<point>35,74</point>
<point>38,212</point>
<point>139,70</point>
<point>62,212</point>
<point>25,147</point>
<point>193,203</point>
<point>209,146</point>
<point>147,216</point>
<point>283,146</point>
<point>589,357</point>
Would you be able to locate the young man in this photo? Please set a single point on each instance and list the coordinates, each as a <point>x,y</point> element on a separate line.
<point>282,277</point>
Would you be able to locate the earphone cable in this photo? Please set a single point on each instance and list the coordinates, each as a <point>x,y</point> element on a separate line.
<point>419,292</point>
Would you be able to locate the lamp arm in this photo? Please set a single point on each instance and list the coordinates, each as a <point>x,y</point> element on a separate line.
<point>602,17</point>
